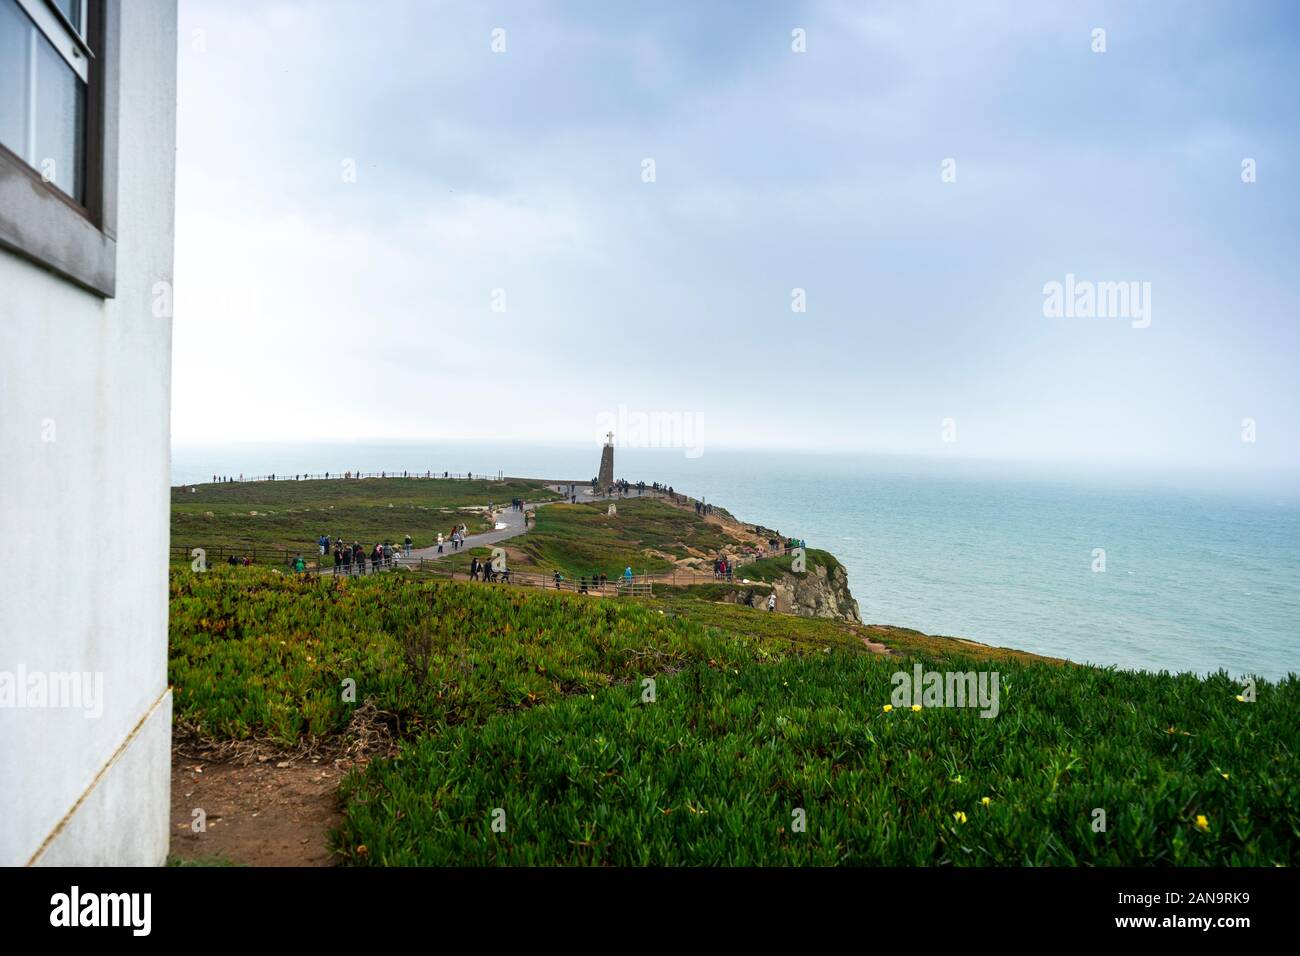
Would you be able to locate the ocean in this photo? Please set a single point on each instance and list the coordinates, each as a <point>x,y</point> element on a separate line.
<point>1136,571</point>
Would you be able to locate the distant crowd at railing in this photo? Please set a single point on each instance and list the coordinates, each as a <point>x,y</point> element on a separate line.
<point>345,475</point>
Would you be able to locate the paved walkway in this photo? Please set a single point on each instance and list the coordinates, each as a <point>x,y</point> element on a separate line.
<point>514,526</point>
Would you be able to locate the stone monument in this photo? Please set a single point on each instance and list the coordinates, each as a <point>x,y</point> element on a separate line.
<point>605,477</point>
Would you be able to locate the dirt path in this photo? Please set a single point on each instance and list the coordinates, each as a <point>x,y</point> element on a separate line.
<point>273,813</point>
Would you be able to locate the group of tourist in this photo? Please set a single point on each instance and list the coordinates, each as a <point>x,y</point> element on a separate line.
<point>621,487</point>
<point>352,558</point>
<point>591,582</point>
<point>457,539</point>
<point>485,571</point>
<point>348,557</point>
<point>225,479</point>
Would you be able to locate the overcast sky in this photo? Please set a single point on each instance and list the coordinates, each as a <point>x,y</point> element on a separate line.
<point>311,307</point>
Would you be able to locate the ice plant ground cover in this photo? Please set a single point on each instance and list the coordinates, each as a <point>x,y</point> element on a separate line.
<point>716,769</point>
<point>256,653</point>
<point>767,741</point>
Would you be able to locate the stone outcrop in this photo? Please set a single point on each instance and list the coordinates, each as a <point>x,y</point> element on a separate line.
<point>821,591</point>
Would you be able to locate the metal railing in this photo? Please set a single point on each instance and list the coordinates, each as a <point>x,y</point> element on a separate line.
<point>348,476</point>
<point>316,563</point>
<point>323,564</point>
<point>220,554</point>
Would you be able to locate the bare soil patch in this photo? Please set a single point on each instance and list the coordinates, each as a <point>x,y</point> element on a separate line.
<point>272,813</point>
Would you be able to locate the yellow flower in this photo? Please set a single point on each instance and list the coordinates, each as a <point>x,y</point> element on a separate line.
<point>1202,823</point>
<point>986,801</point>
<point>916,707</point>
<point>887,708</point>
<point>959,817</point>
<point>1224,776</point>
<point>1241,698</point>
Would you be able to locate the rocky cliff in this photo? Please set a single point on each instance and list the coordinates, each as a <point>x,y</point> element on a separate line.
<point>820,591</point>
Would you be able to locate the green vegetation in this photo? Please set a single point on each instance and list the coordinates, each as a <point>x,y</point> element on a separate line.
<point>278,515</point>
<point>532,702</point>
<point>771,569</point>
<point>646,534</point>
<point>255,653</point>
<point>716,769</point>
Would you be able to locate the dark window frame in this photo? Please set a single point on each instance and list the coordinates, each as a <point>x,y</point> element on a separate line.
<point>41,223</point>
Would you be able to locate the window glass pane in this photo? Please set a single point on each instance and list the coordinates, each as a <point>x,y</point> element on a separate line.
<point>15,48</point>
<point>60,120</point>
<point>72,10</point>
<point>42,103</point>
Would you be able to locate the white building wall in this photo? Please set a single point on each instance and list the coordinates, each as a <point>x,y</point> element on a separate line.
<point>84,516</point>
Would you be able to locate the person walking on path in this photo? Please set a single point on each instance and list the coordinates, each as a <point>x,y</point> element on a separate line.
<point>440,542</point>
<point>408,545</point>
<point>771,601</point>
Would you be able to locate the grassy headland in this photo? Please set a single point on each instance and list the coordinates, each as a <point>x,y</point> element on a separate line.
<point>647,534</point>
<point>764,738</point>
<point>278,515</point>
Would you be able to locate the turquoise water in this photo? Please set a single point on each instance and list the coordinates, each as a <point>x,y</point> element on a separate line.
<point>1197,577</point>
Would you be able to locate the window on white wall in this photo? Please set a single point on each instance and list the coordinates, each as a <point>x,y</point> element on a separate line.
<point>44,69</point>
<point>58,126</point>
